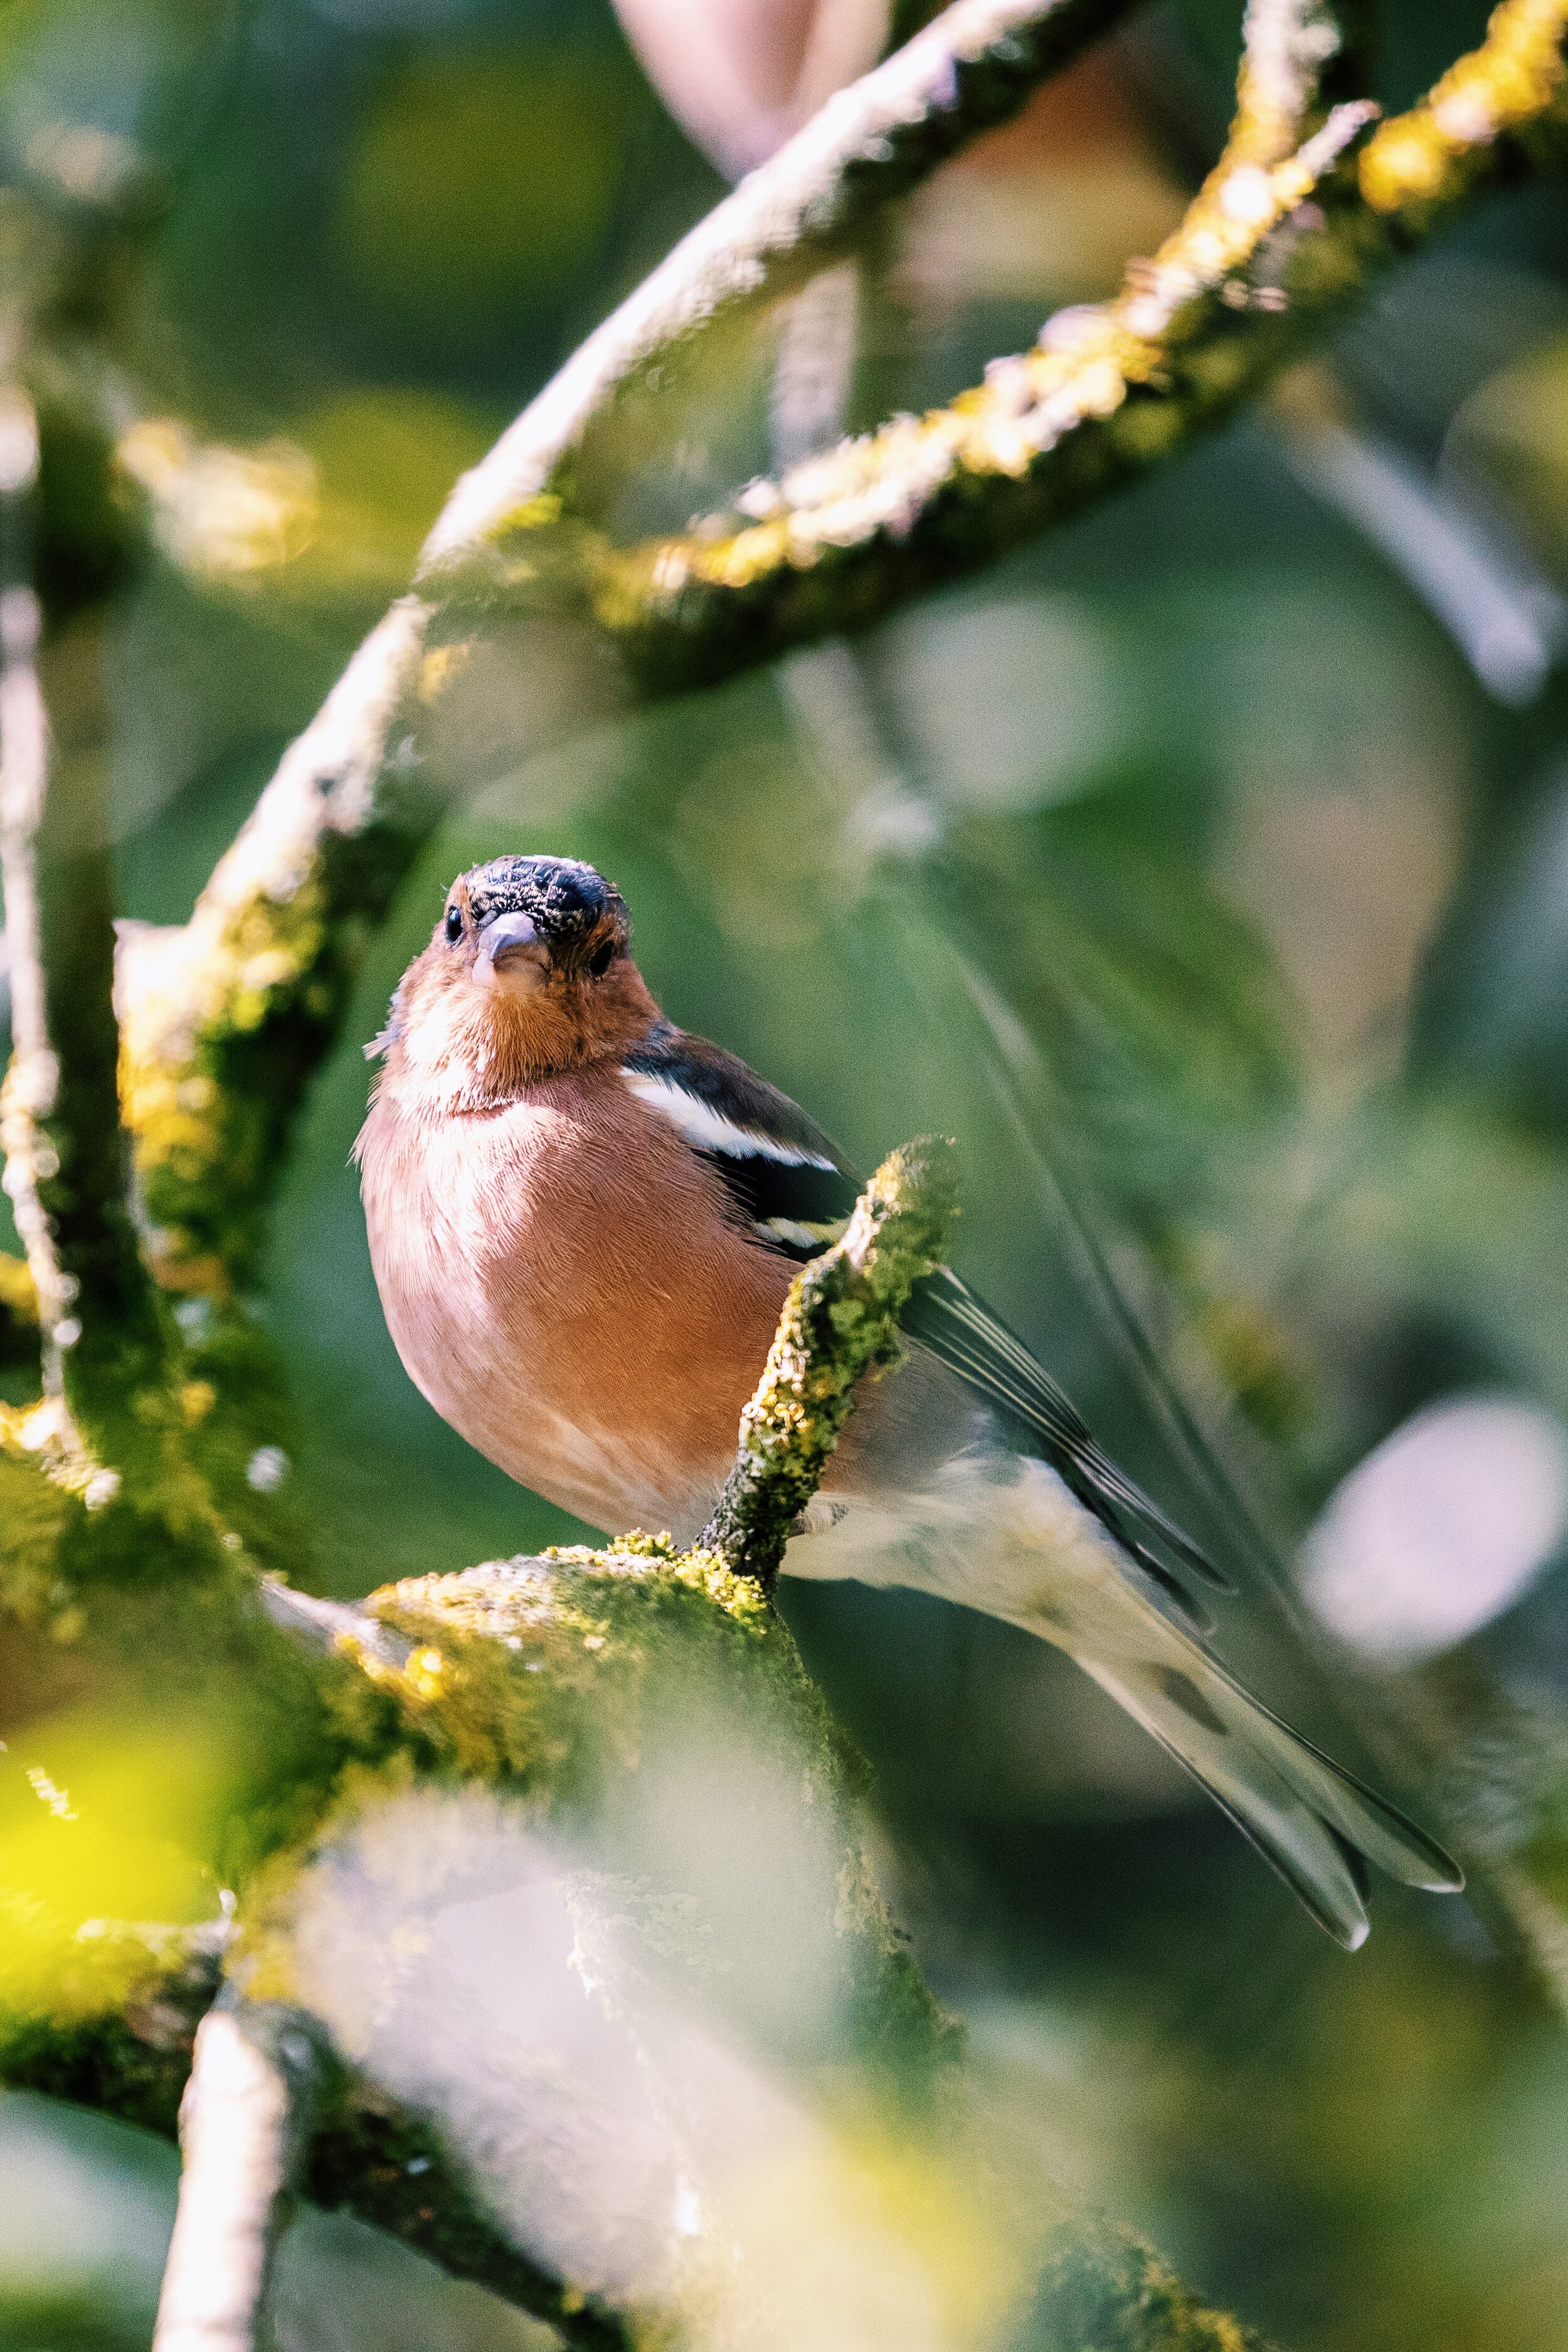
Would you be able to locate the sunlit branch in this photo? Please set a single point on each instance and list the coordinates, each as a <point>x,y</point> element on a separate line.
<point>1287,48</point>
<point>1264,259</point>
<point>971,68</point>
<point>224,1019</point>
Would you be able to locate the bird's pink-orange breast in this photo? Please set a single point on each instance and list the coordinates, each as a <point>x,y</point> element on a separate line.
<point>562,1285</point>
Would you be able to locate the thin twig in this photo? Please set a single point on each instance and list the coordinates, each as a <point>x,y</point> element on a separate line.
<point>1286,47</point>
<point>245,2130</point>
<point>224,1018</point>
<point>32,1085</point>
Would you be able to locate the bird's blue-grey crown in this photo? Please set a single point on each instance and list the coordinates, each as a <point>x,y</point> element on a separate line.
<point>564,898</point>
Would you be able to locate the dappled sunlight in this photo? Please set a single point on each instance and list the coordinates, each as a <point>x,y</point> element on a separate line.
<point>609,2043</point>
<point>1440,1530</point>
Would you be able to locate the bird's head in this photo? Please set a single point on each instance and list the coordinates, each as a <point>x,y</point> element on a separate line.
<point>527,973</point>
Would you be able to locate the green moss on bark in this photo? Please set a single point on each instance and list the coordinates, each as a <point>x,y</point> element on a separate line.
<point>839,1323</point>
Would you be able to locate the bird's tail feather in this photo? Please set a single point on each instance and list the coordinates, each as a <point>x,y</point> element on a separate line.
<point>1311,1819</point>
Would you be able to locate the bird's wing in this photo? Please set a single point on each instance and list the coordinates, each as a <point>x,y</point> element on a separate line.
<point>784,1177</point>
<point>794,1189</point>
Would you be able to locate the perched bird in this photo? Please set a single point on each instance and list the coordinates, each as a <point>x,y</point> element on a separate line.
<point>584,1223</point>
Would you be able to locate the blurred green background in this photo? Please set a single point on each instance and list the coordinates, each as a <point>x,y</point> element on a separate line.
<point>1203,870</point>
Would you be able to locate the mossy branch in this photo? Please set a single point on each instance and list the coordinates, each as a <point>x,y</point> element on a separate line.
<point>839,1323</point>
<point>110,1416</point>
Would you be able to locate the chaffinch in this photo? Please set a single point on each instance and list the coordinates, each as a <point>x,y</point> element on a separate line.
<point>584,1222</point>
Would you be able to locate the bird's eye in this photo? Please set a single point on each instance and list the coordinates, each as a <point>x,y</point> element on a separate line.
<point>599,962</point>
<point>454,925</point>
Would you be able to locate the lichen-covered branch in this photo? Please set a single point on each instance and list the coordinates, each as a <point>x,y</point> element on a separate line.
<point>1288,48</point>
<point>223,1020</point>
<point>839,1323</point>
<point>550,1682</point>
<point>1103,2287</point>
<point>545,1678</point>
<point>245,2124</point>
<point>1266,256</point>
<point>971,68</point>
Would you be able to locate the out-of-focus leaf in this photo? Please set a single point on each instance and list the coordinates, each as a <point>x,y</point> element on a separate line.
<point>331,514</point>
<point>96,94</point>
<point>1511,432</point>
<point>104,1819</point>
<point>479,177</point>
<point>1440,1528</point>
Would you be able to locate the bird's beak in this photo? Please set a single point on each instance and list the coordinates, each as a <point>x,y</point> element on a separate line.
<point>497,938</point>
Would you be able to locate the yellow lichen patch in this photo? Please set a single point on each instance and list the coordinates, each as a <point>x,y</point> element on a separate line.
<point>18,1291</point>
<point>193,1133</point>
<point>422,1674</point>
<point>37,1432</point>
<point>1081,373</point>
<point>1515,78</point>
<point>536,513</point>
